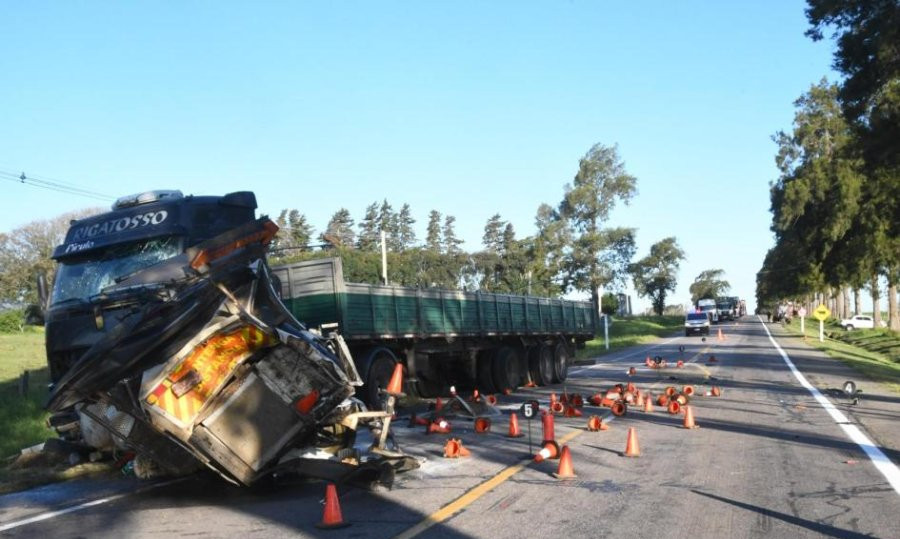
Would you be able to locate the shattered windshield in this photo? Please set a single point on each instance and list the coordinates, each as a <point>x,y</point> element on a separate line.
<point>81,278</point>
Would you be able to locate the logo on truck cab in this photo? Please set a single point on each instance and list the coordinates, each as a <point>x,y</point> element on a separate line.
<point>151,218</point>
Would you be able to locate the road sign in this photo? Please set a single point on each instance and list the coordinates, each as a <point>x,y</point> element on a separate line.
<point>821,313</point>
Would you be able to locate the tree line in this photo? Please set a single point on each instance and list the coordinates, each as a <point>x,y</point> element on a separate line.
<point>836,203</point>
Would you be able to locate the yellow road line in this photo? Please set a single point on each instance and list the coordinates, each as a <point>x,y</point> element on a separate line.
<point>474,493</point>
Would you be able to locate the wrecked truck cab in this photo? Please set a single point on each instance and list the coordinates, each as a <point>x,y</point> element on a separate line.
<point>172,341</point>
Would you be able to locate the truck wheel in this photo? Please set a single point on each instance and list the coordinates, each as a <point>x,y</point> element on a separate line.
<point>560,363</point>
<point>506,369</point>
<point>378,377</point>
<point>485,372</point>
<point>540,364</point>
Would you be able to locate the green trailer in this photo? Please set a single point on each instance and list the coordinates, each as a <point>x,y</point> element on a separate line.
<point>471,340</point>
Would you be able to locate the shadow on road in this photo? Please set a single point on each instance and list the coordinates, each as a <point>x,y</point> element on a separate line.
<point>816,527</point>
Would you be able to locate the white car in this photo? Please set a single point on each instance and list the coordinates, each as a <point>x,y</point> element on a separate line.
<point>860,321</point>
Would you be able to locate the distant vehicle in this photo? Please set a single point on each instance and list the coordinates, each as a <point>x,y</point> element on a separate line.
<point>696,322</point>
<point>727,308</point>
<point>708,305</point>
<point>860,321</point>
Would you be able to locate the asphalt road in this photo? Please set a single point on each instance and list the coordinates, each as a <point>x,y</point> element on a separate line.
<point>767,461</point>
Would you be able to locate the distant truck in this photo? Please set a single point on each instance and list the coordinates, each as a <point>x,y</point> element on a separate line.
<point>708,306</point>
<point>728,307</point>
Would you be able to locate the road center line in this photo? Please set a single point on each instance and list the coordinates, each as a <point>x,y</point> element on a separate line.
<point>60,512</point>
<point>878,458</point>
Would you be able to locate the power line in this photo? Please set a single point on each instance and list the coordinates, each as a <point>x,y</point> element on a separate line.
<point>53,185</point>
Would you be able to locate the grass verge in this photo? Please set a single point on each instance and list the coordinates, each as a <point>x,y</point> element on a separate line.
<point>874,353</point>
<point>22,417</point>
<point>625,332</point>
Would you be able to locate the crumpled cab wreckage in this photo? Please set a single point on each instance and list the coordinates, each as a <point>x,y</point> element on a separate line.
<point>166,337</point>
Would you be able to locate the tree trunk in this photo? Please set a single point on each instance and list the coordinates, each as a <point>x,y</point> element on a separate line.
<point>876,304</point>
<point>846,293</point>
<point>857,301</point>
<point>893,313</point>
<point>839,303</point>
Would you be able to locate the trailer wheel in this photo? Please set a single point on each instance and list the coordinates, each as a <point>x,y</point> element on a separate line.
<point>507,374</point>
<point>540,364</point>
<point>484,379</point>
<point>560,363</point>
<point>380,370</point>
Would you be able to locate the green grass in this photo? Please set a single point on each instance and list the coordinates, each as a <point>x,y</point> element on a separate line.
<point>22,419</point>
<point>625,332</point>
<point>874,353</point>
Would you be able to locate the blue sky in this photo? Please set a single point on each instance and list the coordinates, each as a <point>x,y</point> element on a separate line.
<point>470,108</point>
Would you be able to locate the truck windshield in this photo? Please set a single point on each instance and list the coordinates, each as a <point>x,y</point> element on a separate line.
<point>83,277</point>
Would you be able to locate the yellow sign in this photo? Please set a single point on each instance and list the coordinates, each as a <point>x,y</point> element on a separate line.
<point>821,313</point>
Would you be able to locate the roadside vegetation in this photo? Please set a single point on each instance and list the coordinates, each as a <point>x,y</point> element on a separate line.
<point>625,332</point>
<point>22,417</point>
<point>874,353</point>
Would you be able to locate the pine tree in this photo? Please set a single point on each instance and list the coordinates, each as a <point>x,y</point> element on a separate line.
<point>509,238</point>
<point>433,239</point>
<point>368,229</point>
<point>493,232</point>
<point>406,232</point>
<point>339,231</point>
<point>300,230</point>
<point>451,243</point>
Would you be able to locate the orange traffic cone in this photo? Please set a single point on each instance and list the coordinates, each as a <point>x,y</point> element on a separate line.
<point>689,418</point>
<point>507,391</point>
<point>639,402</point>
<point>565,470</point>
<point>680,364</point>
<point>632,449</point>
<point>549,426</point>
<point>492,400</point>
<point>716,392</point>
<point>571,411</point>
<point>648,362</point>
<point>648,403</point>
<point>671,391</point>
<point>688,390</point>
<point>331,517</point>
<point>681,400</point>
<point>475,396</point>
<point>530,384</point>
<point>438,426</point>
<point>662,400</point>
<point>721,337</point>
<point>550,450</point>
<point>619,408</point>
<point>577,400</point>
<point>482,425</point>
<point>454,449</point>
<point>632,371</point>
<point>630,388</point>
<point>674,407</point>
<point>557,407</point>
<point>594,423</point>
<point>514,431</point>
<point>552,399</point>
<point>597,399</point>
<point>395,386</point>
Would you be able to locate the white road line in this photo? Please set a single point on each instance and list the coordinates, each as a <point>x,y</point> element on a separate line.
<point>878,458</point>
<point>53,514</point>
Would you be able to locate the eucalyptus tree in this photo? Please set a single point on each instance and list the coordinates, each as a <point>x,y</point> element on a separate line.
<point>709,284</point>
<point>656,274</point>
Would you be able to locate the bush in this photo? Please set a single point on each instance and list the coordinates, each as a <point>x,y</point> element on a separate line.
<point>12,321</point>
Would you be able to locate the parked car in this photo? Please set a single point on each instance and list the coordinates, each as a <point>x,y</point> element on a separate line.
<point>860,321</point>
<point>697,322</point>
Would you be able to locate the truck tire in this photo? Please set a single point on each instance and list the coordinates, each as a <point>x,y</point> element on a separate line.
<point>560,363</point>
<point>540,364</point>
<point>377,378</point>
<point>484,380</point>
<point>506,369</point>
